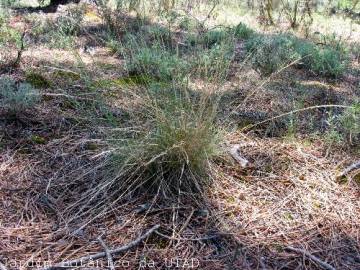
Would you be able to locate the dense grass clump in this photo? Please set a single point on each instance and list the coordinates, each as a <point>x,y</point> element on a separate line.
<point>173,153</point>
<point>216,36</point>
<point>16,98</point>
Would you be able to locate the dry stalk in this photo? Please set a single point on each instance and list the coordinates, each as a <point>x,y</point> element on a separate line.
<point>104,254</point>
<point>312,257</point>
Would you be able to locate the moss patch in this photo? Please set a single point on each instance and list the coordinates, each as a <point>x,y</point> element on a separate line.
<point>66,75</point>
<point>37,80</point>
<point>38,139</point>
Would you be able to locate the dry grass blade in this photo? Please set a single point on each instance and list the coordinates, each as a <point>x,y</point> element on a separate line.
<point>349,169</point>
<point>312,257</point>
<point>126,247</point>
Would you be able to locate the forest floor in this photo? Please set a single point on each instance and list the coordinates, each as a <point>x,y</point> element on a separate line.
<point>287,197</point>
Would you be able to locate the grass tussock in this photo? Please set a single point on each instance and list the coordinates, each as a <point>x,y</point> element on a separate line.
<point>173,153</point>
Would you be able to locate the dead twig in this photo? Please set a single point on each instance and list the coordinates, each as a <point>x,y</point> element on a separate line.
<point>188,239</point>
<point>235,153</point>
<point>66,96</point>
<point>16,63</point>
<point>295,111</point>
<point>349,169</point>
<point>99,255</point>
<point>315,259</point>
<point>108,254</point>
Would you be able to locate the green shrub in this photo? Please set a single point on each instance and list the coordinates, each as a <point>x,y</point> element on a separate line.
<point>216,36</point>
<point>214,63</point>
<point>156,62</point>
<point>188,23</point>
<point>328,62</point>
<point>60,32</point>
<point>270,53</point>
<point>9,35</point>
<point>15,98</point>
<point>350,121</point>
<point>323,60</point>
<point>243,31</point>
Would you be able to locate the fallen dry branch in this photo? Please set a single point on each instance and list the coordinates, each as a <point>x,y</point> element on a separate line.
<point>312,257</point>
<point>235,153</point>
<point>108,254</point>
<point>99,255</point>
<point>188,239</point>
<point>349,169</point>
<point>66,96</point>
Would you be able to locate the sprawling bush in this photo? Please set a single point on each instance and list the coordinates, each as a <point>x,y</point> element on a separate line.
<point>271,53</point>
<point>243,31</point>
<point>60,32</point>
<point>213,63</point>
<point>156,62</point>
<point>323,60</point>
<point>15,98</point>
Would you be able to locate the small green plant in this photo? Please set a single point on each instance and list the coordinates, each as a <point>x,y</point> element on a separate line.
<point>323,60</point>
<point>271,53</point>
<point>15,98</point>
<point>37,80</point>
<point>333,134</point>
<point>350,122</point>
<point>188,24</point>
<point>243,31</point>
<point>4,15</point>
<point>60,32</point>
<point>214,63</point>
<point>216,36</point>
<point>156,62</point>
<point>152,34</point>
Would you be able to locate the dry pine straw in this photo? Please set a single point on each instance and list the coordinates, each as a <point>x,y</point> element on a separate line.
<point>288,197</point>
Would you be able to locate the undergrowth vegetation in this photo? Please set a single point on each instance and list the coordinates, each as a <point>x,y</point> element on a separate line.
<point>271,53</point>
<point>17,97</point>
<point>61,31</point>
<point>199,116</point>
